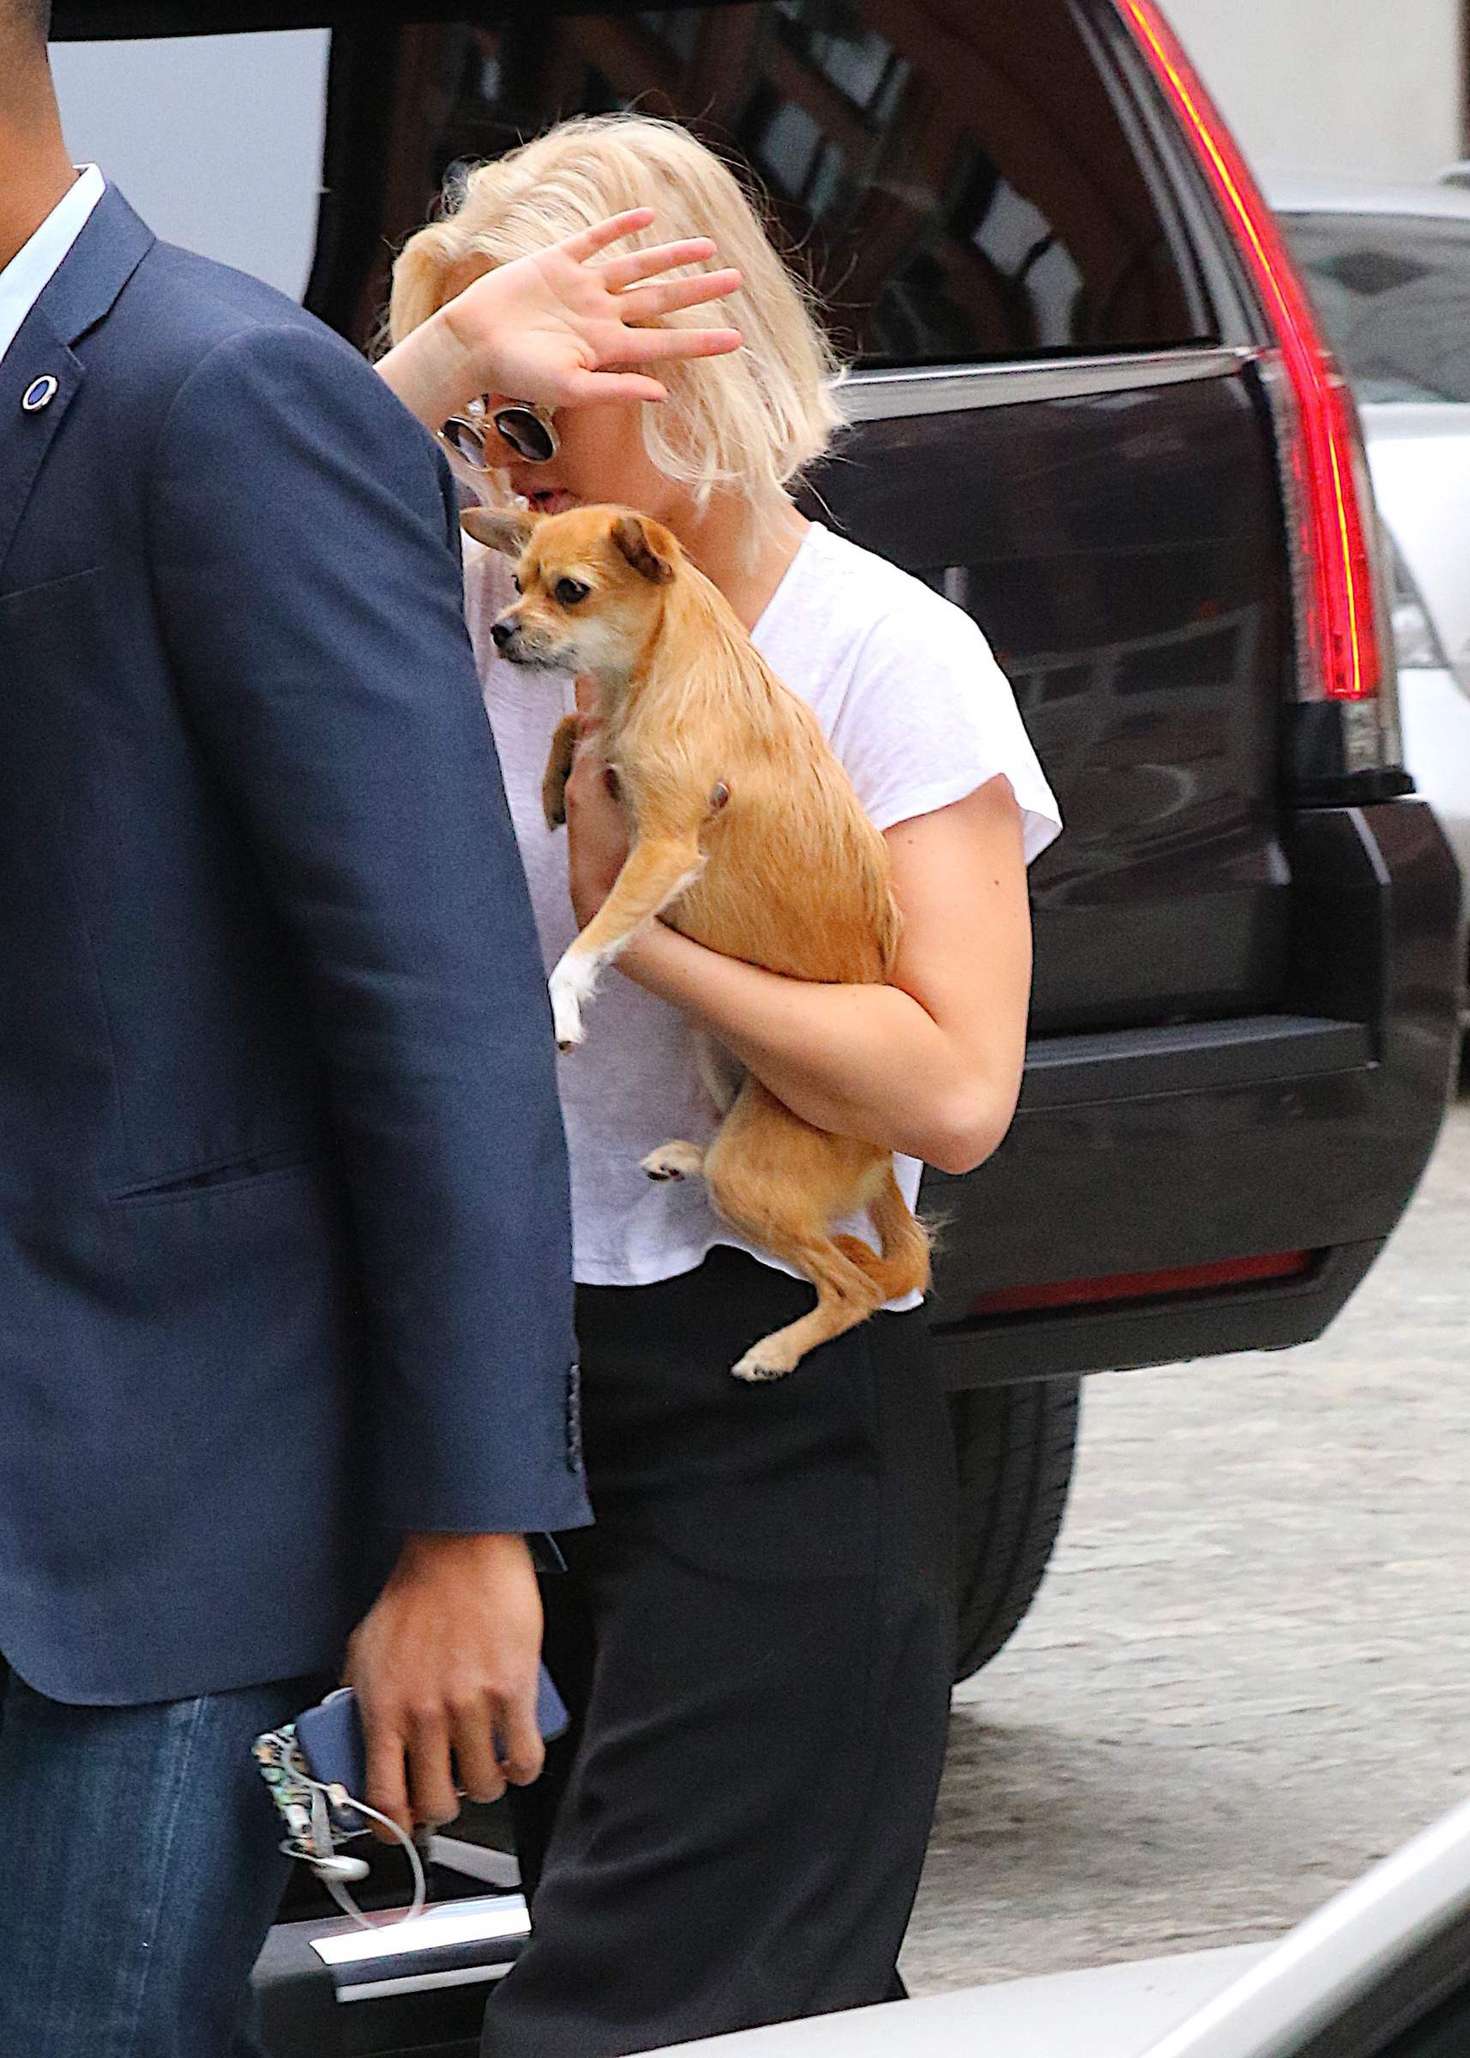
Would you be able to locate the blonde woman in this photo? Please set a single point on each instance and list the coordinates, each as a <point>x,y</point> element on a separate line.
<point>756,1638</point>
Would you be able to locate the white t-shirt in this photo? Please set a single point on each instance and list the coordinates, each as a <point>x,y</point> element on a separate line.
<point>913,703</point>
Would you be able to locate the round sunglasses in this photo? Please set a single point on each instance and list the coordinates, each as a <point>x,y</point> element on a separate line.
<point>528,429</point>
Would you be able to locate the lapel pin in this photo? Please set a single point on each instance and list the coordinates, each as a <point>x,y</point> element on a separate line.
<point>40,393</point>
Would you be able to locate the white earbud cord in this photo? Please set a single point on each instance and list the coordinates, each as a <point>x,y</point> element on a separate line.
<point>321,1860</point>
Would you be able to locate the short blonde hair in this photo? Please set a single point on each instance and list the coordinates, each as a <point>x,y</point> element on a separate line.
<point>752,420</point>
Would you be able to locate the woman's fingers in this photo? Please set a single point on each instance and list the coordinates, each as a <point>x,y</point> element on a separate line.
<point>620,272</point>
<point>644,303</point>
<point>583,389</point>
<point>586,773</point>
<point>654,346</point>
<point>617,346</point>
<point>587,242</point>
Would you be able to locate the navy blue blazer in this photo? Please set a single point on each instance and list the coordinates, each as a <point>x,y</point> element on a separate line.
<point>285,1261</point>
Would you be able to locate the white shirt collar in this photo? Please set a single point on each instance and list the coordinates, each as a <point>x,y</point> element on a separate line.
<point>34,265</point>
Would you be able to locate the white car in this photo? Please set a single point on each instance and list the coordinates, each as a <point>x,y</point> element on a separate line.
<point>1382,1971</point>
<point>1389,270</point>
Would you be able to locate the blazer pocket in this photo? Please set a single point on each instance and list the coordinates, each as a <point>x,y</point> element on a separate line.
<point>62,587</point>
<point>213,1179</point>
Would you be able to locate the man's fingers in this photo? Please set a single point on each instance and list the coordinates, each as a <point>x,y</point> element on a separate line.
<point>473,1738</point>
<point>646,303</point>
<point>522,1753</point>
<point>587,242</point>
<point>430,1781</point>
<point>387,1790</point>
<point>637,265</point>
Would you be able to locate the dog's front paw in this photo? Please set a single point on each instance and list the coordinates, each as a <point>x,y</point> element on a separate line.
<point>571,988</point>
<point>566,1017</point>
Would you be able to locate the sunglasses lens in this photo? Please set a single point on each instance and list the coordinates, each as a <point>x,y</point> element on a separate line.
<point>467,442</point>
<point>528,436</point>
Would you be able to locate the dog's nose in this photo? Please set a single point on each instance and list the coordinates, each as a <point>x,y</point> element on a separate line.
<point>502,631</point>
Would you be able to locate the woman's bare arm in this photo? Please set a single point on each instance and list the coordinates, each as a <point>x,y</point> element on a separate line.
<point>930,1064</point>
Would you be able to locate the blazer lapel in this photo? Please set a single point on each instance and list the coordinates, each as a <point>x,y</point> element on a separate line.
<point>93,273</point>
<point>37,354</point>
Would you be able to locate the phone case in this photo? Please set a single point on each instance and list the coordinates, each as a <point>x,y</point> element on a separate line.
<point>330,1734</point>
<point>326,1744</point>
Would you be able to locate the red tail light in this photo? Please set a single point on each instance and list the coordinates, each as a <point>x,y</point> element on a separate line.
<point>1139,1286</point>
<point>1338,627</point>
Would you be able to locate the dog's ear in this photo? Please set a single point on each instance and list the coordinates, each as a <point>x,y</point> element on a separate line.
<point>506,529</point>
<point>647,547</point>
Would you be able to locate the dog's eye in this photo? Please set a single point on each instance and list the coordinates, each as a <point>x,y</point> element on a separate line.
<point>515,580</point>
<point>570,591</point>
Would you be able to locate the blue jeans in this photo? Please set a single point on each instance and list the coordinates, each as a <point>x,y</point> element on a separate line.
<point>139,1872</point>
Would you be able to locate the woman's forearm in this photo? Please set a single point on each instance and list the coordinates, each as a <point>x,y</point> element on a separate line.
<point>862,1061</point>
<point>430,372</point>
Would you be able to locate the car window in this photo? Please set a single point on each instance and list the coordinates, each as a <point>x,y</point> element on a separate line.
<point>958,189</point>
<point>1393,292</point>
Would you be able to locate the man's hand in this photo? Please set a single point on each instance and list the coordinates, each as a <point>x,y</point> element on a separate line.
<point>446,1661</point>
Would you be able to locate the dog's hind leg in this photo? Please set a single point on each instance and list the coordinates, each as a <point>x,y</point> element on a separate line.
<point>905,1264</point>
<point>673,1161</point>
<point>846,1296</point>
<point>781,1183</point>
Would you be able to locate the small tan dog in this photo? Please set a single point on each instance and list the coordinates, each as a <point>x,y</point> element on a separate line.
<point>746,835</point>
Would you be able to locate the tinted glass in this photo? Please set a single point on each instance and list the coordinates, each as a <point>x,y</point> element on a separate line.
<point>1394,295</point>
<point>952,172</point>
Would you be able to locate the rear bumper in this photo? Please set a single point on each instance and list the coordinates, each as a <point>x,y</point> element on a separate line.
<point>1162,1149</point>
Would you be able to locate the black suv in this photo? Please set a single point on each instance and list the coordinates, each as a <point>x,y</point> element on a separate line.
<point>1091,405</point>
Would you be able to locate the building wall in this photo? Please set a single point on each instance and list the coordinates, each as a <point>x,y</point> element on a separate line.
<point>1368,88</point>
<point>216,140</point>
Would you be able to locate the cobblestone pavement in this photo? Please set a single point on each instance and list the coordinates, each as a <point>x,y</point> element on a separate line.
<point>1248,1674</point>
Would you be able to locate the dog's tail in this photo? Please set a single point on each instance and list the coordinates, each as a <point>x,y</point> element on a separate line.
<point>904,1266</point>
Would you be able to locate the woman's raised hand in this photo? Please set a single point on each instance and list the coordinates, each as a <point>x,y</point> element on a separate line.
<point>561,329</point>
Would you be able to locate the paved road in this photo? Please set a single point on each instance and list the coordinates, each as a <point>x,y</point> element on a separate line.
<point>1249,1672</point>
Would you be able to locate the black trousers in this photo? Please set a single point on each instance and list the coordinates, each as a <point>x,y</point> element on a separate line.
<point>755,1643</point>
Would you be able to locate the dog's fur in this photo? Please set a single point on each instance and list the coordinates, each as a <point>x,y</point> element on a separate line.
<point>746,835</point>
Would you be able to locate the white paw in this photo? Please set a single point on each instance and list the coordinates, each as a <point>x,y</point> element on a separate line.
<point>673,1161</point>
<point>572,985</point>
<point>761,1365</point>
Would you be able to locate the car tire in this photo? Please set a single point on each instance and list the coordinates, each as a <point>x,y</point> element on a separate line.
<point>1014,1449</point>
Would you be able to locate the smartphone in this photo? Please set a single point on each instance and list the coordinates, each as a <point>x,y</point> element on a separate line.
<point>331,1740</point>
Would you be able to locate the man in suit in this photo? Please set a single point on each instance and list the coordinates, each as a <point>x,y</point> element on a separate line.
<point>285,1306</point>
